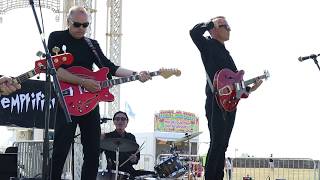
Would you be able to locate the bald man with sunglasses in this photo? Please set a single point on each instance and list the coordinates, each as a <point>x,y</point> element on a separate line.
<point>86,52</point>
<point>215,57</point>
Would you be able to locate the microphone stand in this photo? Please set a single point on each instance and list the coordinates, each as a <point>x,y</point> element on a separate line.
<point>49,71</point>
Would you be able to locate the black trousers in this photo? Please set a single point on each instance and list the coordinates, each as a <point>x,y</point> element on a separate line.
<point>90,139</point>
<point>220,124</point>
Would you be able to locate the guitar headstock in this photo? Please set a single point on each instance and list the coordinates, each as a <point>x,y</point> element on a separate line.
<point>266,74</point>
<point>166,73</point>
<point>58,60</point>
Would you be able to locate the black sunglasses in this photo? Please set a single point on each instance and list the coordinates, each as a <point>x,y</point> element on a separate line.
<point>227,27</point>
<point>120,119</point>
<point>77,24</point>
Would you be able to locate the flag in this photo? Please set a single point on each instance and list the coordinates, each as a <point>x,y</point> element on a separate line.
<point>129,111</point>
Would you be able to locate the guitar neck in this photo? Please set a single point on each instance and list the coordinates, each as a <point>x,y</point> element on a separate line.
<point>250,81</point>
<point>112,82</point>
<point>23,77</point>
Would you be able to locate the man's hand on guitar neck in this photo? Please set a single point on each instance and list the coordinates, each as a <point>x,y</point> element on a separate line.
<point>7,85</point>
<point>256,85</point>
<point>144,76</point>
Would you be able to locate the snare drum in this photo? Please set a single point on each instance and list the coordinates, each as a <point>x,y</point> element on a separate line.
<point>106,175</point>
<point>170,168</point>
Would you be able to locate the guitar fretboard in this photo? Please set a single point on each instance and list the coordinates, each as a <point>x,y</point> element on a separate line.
<point>250,81</point>
<point>23,77</point>
<point>112,82</point>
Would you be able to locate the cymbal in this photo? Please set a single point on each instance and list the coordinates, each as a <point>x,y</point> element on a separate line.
<point>188,137</point>
<point>125,145</point>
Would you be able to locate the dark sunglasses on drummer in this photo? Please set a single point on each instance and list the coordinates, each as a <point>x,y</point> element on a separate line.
<point>77,24</point>
<point>120,119</point>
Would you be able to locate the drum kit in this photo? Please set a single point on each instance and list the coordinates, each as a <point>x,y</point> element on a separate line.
<point>170,168</point>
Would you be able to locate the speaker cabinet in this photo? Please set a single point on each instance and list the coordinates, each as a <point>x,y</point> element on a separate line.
<point>8,165</point>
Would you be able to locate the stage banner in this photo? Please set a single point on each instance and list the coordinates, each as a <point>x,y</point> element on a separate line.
<point>25,107</point>
<point>176,121</point>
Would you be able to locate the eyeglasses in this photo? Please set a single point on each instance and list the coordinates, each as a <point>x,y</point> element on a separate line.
<point>225,26</point>
<point>77,24</point>
<point>120,119</point>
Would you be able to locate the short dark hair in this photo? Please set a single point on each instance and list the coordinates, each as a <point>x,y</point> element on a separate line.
<point>120,112</point>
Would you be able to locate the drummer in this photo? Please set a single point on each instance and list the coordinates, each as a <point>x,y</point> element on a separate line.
<point>120,120</point>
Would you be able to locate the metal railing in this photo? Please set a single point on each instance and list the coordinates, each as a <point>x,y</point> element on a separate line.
<point>278,169</point>
<point>30,159</point>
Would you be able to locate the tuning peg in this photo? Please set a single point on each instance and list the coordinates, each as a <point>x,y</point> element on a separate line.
<point>64,48</point>
<point>40,54</point>
<point>56,50</point>
<point>178,72</point>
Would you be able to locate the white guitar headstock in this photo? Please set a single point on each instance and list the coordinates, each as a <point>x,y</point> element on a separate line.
<point>266,74</point>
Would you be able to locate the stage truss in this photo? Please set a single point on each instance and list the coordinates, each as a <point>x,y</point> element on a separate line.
<point>53,5</point>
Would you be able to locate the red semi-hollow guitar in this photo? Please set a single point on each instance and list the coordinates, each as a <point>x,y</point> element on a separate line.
<point>79,101</point>
<point>231,87</point>
<point>40,66</point>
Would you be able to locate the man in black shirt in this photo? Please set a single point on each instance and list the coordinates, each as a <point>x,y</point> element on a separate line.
<point>216,57</point>
<point>84,56</point>
<point>8,86</point>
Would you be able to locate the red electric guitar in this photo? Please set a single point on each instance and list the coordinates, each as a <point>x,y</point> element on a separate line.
<point>231,87</point>
<point>80,101</point>
<point>40,66</point>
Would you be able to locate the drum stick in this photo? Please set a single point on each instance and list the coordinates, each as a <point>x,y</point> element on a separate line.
<point>138,150</point>
<point>130,157</point>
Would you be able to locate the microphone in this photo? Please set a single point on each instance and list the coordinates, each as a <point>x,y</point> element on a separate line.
<point>104,120</point>
<point>312,56</point>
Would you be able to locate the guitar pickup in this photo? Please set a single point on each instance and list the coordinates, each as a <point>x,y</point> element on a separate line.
<point>240,87</point>
<point>226,90</point>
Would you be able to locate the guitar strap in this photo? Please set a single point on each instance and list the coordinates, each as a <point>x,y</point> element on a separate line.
<point>210,83</point>
<point>93,49</point>
<point>212,89</point>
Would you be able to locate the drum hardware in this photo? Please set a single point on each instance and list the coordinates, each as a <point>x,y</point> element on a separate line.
<point>172,166</point>
<point>187,138</point>
<point>173,149</point>
<point>118,145</point>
